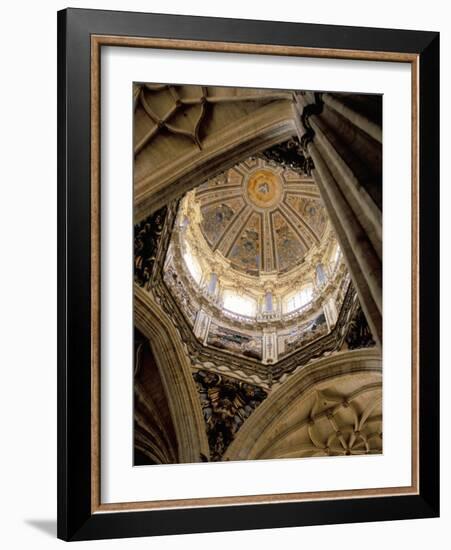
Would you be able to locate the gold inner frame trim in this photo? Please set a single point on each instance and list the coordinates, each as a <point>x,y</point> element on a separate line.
<point>97,41</point>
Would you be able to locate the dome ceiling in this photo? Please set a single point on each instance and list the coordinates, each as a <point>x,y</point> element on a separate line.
<point>261,217</point>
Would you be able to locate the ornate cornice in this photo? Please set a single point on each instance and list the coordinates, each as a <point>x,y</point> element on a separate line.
<point>257,288</point>
<point>281,283</point>
<point>248,369</point>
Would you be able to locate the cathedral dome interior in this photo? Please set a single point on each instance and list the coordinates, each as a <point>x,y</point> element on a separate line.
<point>261,218</point>
<point>257,270</point>
<point>253,262</point>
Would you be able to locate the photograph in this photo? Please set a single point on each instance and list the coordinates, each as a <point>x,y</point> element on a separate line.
<point>235,330</point>
<point>257,275</point>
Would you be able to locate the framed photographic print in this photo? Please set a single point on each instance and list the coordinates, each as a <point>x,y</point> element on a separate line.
<point>248,274</point>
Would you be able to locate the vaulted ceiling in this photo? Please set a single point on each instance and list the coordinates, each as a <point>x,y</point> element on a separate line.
<point>261,217</point>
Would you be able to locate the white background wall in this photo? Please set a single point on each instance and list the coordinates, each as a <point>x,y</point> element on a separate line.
<point>28,274</point>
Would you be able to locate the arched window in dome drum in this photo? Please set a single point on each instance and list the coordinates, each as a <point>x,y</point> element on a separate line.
<point>335,256</point>
<point>299,299</point>
<point>241,304</point>
<point>193,265</point>
<point>320,275</point>
<point>212,283</point>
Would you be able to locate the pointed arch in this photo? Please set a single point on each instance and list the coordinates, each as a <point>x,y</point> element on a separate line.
<point>343,377</point>
<point>175,372</point>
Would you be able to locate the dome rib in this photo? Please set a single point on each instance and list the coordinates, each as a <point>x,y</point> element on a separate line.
<point>261,218</point>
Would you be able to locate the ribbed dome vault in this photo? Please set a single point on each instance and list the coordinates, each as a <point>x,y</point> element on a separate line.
<point>260,217</point>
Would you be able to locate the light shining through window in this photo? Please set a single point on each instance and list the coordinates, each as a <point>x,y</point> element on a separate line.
<point>301,298</point>
<point>244,305</point>
<point>336,255</point>
<point>193,266</point>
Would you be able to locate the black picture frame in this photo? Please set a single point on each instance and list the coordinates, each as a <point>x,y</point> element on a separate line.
<point>76,521</point>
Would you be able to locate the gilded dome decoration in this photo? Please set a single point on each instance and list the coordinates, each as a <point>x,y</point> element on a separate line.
<point>262,219</point>
<point>264,188</point>
<point>243,262</point>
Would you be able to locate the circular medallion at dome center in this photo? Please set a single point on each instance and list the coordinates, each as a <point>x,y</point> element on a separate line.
<point>264,189</point>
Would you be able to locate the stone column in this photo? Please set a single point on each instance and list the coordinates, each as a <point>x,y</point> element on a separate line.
<point>347,169</point>
<point>358,197</point>
<point>362,120</point>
